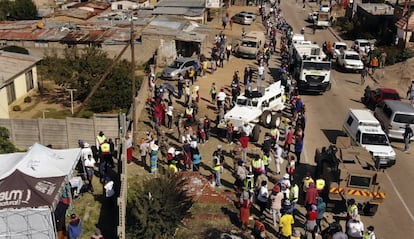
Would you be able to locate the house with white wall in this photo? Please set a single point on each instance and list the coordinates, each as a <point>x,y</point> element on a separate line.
<point>18,77</point>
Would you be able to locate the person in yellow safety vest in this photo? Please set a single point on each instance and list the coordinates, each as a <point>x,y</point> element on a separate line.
<point>275,135</point>
<point>266,161</point>
<point>189,113</point>
<point>307,180</point>
<point>172,166</point>
<point>294,194</point>
<point>217,170</point>
<point>204,67</point>
<point>369,234</point>
<point>257,167</point>
<point>106,154</point>
<point>248,183</point>
<point>320,185</point>
<point>352,209</point>
<point>100,138</point>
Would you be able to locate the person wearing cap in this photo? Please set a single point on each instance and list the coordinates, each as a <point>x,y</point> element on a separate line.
<point>217,170</point>
<point>276,204</point>
<point>306,182</point>
<point>74,227</point>
<point>154,157</point>
<point>285,225</point>
<point>310,225</point>
<point>259,229</point>
<point>355,228</point>
<point>369,233</point>
<point>86,151</point>
<point>408,134</point>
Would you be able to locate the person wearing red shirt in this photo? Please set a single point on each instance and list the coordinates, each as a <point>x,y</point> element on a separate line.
<point>311,195</point>
<point>288,140</point>
<point>311,217</point>
<point>244,142</point>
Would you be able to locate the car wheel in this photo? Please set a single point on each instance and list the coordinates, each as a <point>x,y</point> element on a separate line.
<point>266,118</point>
<point>255,133</point>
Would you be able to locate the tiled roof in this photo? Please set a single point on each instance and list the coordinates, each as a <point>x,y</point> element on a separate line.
<point>402,23</point>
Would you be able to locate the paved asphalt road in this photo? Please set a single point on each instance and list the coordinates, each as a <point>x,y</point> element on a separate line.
<point>325,115</point>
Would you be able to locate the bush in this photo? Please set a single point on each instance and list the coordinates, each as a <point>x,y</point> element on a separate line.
<point>27,99</point>
<point>404,55</point>
<point>17,108</point>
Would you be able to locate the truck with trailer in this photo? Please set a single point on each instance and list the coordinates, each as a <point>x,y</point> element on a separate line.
<point>349,173</point>
<point>311,67</point>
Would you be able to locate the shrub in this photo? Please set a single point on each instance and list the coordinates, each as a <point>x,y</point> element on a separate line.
<point>27,99</point>
<point>17,108</point>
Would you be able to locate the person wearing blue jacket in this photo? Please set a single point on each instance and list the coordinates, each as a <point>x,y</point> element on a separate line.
<point>321,211</point>
<point>74,227</point>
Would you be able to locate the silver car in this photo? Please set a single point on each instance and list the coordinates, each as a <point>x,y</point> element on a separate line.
<point>243,18</point>
<point>180,66</point>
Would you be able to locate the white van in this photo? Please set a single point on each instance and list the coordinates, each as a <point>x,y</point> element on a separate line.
<point>393,116</point>
<point>365,130</point>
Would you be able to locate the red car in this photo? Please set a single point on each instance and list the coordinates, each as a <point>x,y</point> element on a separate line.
<point>380,94</point>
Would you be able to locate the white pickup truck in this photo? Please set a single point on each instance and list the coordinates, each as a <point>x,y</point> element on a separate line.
<point>259,106</point>
<point>338,47</point>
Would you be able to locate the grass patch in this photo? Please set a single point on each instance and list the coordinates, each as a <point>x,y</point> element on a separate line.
<point>53,114</point>
<point>32,105</point>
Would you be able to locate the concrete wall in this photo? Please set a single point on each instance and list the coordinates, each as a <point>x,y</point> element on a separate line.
<point>60,133</point>
<point>4,108</point>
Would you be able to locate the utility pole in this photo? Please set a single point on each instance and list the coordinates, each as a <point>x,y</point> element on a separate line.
<point>133,115</point>
<point>71,98</point>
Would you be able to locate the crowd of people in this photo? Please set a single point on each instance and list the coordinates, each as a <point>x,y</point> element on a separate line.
<point>251,169</point>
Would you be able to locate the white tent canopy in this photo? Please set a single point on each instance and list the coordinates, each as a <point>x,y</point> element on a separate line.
<point>36,178</point>
<point>40,162</point>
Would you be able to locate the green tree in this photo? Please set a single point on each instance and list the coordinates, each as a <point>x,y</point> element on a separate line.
<point>82,69</point>
<point>5,7</point>
<point>23,10</point>
<point>5,145</point>
<point>157,206</point>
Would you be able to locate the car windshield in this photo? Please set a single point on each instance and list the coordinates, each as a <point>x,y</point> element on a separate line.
<point>249,44</point>
<point>352,57</point>
<point>340,47</point>
<point>360,181</point>
<point>363,44</point>
<point>176,64</point>
<point>313,65</point>
<point>404,118</point>
<point>241,101</point>
<point>374,139</point>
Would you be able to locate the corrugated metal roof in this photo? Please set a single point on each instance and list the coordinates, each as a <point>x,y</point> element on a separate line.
<point>75,13</point>
<point>181,3</point>
<point>13,64</point>
<point>95,5</point>
<point>377,8</point>
<point>88,36</point>
<point>402,23</point>
<point>183,11</point>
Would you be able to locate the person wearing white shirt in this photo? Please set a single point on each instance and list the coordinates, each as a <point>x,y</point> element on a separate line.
<point>260,72</point>
<point>278,151</point>
<point>109,190</point>
<point>90,171</point>
<point>169,112</point>
<point>262,197</point>
<point>85,151</point>
<point>355,228</point>
<point>221,97</point>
